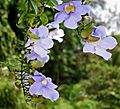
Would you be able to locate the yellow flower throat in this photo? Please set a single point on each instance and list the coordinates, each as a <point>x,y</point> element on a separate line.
<point>69,8</point>
<point>44,81</point>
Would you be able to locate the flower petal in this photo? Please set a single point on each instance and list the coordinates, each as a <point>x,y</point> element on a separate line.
<point>40,51</point>
<point>88,48</point>
<point>60,17</point>
<point>99,31</point>
<point>50,94</point>
<point>50,85</point>
<point>28,43</point>
<point>102,52</point>
<point>71,23</point>
<point>46,43</point>
<point>83,9</point>
<point>34,31</point>
<point>77,16</point>
<point>43,31</point>
<point>35,88</point>
<point>60,7</point>
<point>108,43</point>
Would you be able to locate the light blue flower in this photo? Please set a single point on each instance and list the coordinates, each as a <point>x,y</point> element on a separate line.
<point>101,46</point>
<point>42,45</point>
<point>34,56</point>
<point>43,86</point>
<point>71,13</point>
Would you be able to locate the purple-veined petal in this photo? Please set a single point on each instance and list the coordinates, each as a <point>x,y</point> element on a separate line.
<point>50,94</point>
<point>102,52</point>
<point>60,17</point>
<point>108,42</point>
<point>99,31</point>
<point>35,88</point>
<point>70,23</point>
<point>43,31</point>
<point>88,48</point>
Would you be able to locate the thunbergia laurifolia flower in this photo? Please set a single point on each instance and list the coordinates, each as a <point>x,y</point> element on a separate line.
<point>33,56</point>
<point>71,13</point>
<point>41,45</point>
<point>43,86</point>
<point>100,46</point>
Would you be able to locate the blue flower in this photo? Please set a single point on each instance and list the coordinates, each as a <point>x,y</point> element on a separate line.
<point>71,13</point>
<point>34,56</point>
<point>40,46</point>
<point>43,86</point>
<point>100,46</point>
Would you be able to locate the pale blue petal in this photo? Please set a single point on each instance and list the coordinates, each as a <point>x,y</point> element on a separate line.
<point>76,3</point>
<point>83,9</point>
<point>43,31</point>
<point>46,43</point>
<point>88,48</point>
<point>40,51</point>
<point>38,77</point>
<point>102,52</point>
<point>77,17</point>
<point>99,31</point>
<point>50,85</point>
<point>60,17</point>
<point>34,31</point>
<point>60,7</point>
<point>108,42</point>
<point>28,43</point>
<point>35,88</point>
<point>71,23</point>
<point>53,95</point>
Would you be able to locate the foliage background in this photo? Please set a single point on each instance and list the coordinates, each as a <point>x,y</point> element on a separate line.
<point>85,81</point>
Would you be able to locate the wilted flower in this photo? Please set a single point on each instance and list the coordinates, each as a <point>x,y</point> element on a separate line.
<point>100,46</point>
<point>43,86</point>
<point>70,13</point>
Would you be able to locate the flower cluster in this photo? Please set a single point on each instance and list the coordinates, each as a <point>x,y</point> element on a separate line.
<point>71,14</point>
<point>100,46</point>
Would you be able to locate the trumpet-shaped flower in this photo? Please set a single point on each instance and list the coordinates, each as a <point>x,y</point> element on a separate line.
<point>40,46</point>
<point>43,86</point>
<point>71,13</point>
<point>101,46</point>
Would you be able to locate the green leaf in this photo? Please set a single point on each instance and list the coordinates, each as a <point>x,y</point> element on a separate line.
<point>34,6</point>
<point>44,19</point>
<point>52,3</point>
<point>36,64</point>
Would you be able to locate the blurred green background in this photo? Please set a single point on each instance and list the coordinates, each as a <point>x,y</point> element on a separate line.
<point>85,81</point>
